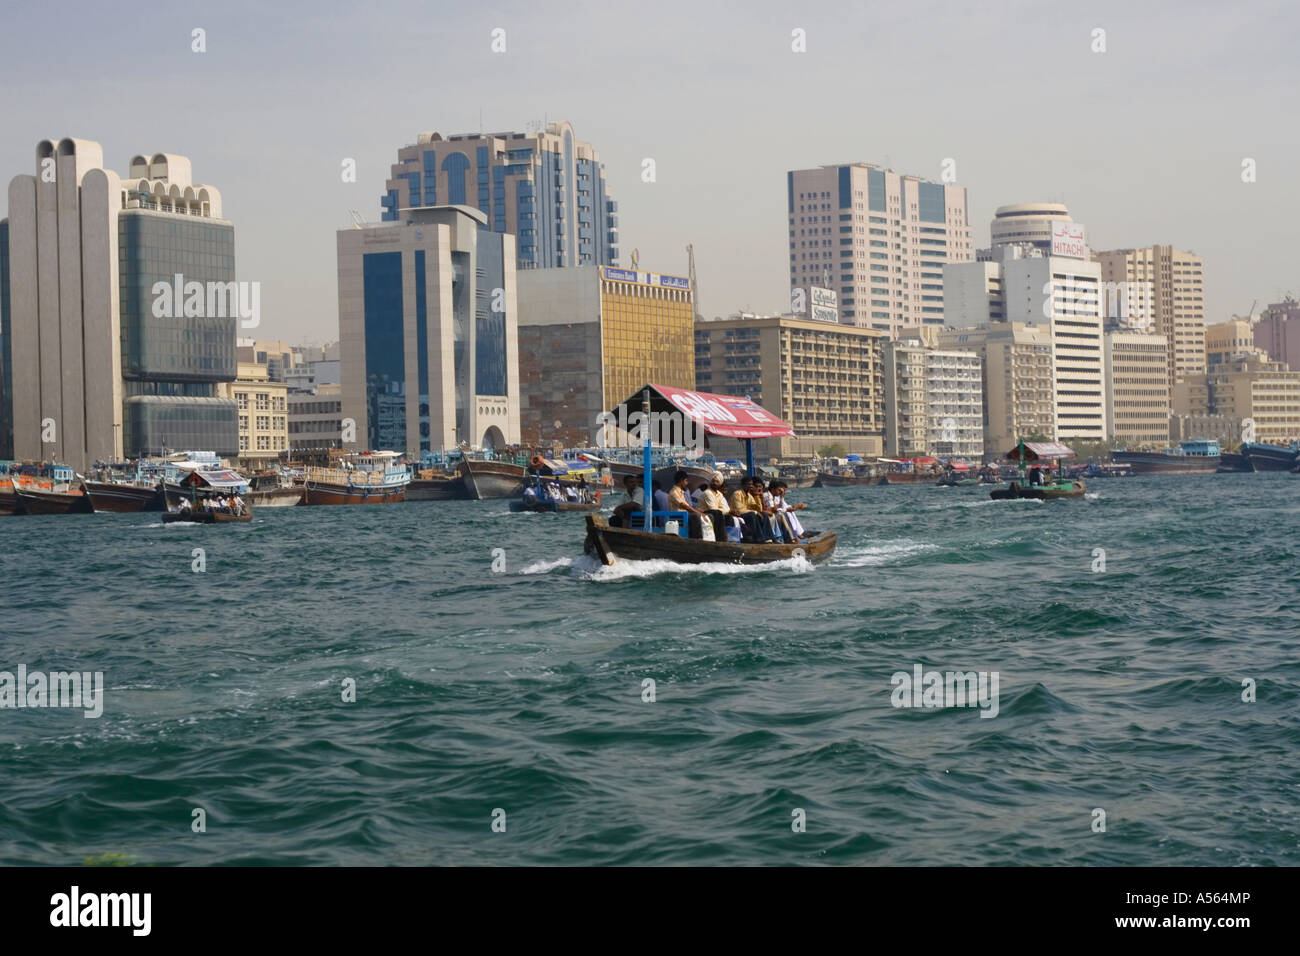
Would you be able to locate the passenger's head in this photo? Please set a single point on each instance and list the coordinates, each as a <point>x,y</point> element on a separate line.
<point>658,485</point>
<point>629,482</point>
<point>680,479</point>
<point>778,487</point>
<point>718,480</point>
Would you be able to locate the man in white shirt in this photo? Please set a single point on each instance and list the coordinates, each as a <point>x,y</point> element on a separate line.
<point>635,498</point>
<point>713,502</point>
<point>775,498</point>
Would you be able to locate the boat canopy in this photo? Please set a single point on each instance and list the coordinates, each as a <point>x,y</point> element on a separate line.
<point>1041,450</point>
<point>727,416</point>
<point>224,479</point>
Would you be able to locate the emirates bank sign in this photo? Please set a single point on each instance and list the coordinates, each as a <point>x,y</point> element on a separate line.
<point>1069,240</point>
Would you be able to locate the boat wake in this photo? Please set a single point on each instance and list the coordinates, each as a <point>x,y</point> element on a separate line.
<point>588,568</point>
<point>545,567</point>
<point>878,554</point>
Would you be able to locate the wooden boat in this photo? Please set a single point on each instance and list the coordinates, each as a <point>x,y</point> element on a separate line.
<point>374,478</point>
<point>1026,452</point>
<point>125,497</point>
<point>60,500</point>
<point>831,479</point>
<point>957,482</point>
<point>199,516</point>
<point>801,481</point>
<point>608,544</point>
<point>436,488</point>
<point>1197,457</point>
<point>1070,488</point>
<point>720,415</point>
<point>276,497</point>
<point>491,479</point>
<point>1230,461</point>
<point>906,478</point>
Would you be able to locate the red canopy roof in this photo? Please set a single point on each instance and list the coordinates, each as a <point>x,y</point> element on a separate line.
<point>727,416</point>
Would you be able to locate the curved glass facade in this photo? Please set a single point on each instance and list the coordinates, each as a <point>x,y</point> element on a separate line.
<point>154,424</point>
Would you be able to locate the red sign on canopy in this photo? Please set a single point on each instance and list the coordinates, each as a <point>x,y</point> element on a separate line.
<point>727,416</point>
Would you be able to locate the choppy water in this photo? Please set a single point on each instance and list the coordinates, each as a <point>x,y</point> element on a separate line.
<point>1119,689</point>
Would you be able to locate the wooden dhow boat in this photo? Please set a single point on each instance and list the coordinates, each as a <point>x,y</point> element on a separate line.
<point>365,478</point>
<point>1052,451</point>
<point>549,483</point>
<point>484,479</point>
<point>725,416</point>
<point>60,497</point>
<point>200,516</point>
<point>126,496</point>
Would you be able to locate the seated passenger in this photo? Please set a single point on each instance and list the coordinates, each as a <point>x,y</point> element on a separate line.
<point>660,502</point>
<point>790,525</point>
<point>679,500</point>
<point>748,507</point>
<point>713,502</point>
<point>635,496</point>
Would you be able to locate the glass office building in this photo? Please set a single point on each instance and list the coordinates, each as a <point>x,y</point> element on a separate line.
<point>171,363</point>
<point>417,376</point>
<point>547,188</point>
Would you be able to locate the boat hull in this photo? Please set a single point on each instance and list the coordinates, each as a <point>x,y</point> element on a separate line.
<point>1232,462</point>
<point>205,517</point>
<point>323,493</point>
<point>609,545</point>
<point>907,478</point>
<point>1263,457</point>
<point>107,496</point>
<point>826,479</point>
<point>436,489</point>
<point>491,479</point>
<point>32,502</point>
<point>1158,463</point>
<point>275,497</point>
<point>1040,492</point>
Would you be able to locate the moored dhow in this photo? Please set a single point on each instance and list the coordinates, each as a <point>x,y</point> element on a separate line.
<point>126,496</point>
<point>1263,456</point>
<point>1197,457</point>
<point>47,490</point>
<point>364,478</point>
<point>484,478</point>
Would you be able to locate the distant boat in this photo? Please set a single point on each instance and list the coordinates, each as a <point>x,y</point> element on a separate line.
<point>126,496</point>
<point>491,479</point>
<point>835,479</point>
<point>62,499</point>
<point>1234,462</point>
<point>1265,457</point>
<point>366,478</point>
<point>1047,451</point>
<point>1198,457</point>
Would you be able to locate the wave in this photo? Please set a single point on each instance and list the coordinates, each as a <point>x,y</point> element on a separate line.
<point>589,569</point>
<point>887,553</point>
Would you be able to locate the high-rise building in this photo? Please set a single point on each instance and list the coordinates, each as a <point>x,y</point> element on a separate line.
<point>879,238</point>
<point>6,366</point>
<point>822,379</point>
<point>1225,341</point>
<point>589,337</point>
<point>1278,332</point>
<point>263,415</point>
<point>427,328</point>
<point>1019,392</point>
<point>933,401</point>
<point>1045,226</point>
<point>546,188</point>
<point>1137,388</point>
<point>1263,391</point>
<point>1164,293</point>
<point>122,308</point>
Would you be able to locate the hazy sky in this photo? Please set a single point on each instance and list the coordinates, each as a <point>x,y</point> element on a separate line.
<point>1144,141</point>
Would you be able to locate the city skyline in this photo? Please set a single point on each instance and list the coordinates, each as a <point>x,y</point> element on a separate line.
<point>683,88</point>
